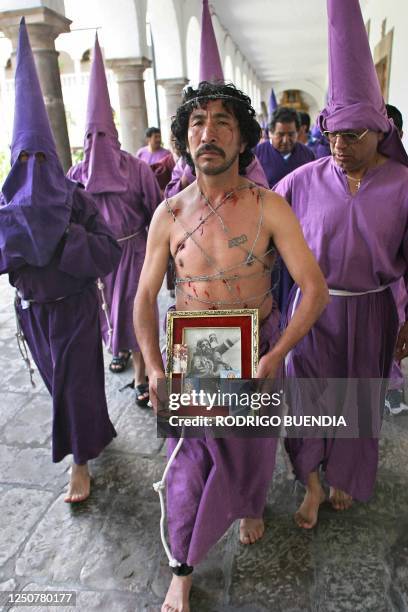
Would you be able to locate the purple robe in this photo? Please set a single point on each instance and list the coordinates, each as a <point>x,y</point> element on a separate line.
<point>215,481</point>
<point>254,172</point>
<point>276,166</point>
<point>361,243</point>
<point>399,292</point>
<point>320,147</point>
<point>152,157</point>
<point>128,215</point>
<point>61,327</point>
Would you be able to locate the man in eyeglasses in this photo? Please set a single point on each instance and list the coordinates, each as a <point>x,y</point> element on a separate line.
<point>282,153</point>
<point>353,208</point>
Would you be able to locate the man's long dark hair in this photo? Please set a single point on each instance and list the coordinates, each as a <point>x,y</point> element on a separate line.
<point>237,103</point>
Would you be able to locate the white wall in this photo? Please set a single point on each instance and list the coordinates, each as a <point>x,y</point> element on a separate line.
<point>121,23</point>
<point>15,5</point>
<point>396,13</point>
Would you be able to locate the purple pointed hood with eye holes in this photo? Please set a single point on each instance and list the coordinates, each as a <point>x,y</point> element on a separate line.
<point>210,63</point>
<point>104,168</point>
<point>354,98</point>
<point>35,207</point>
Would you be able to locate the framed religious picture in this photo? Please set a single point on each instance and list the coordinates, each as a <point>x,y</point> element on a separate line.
<point>207,347</point>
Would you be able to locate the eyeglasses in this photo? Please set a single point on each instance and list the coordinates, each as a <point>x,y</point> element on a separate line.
<point>348,137</point>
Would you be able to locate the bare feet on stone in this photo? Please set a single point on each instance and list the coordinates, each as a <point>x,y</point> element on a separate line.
<point>307,514</point>
<point>177,598</point>
<point>251,530</point>
<point>339,499</point>
<point>79,486</point>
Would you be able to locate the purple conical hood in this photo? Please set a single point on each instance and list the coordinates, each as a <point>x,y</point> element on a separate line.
<point>104,168</point>
<point>210,63</point>
<point>354,98</point>
<point>36,206</point>
<point>272,104</point>
<point>99,110</point>
<point>31,129</point>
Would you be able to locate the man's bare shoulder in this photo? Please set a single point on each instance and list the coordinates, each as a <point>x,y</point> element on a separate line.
<point>161,220</point>
<point>182,199</point>
<point>273,201</point>
<point>278,213</point>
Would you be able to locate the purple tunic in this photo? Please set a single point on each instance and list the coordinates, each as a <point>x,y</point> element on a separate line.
<point>361,243</point>
<point>320,147</point>
<point>276,166</point>
<point>254,172</point>
<point>399,292</point>
<point>215,481</point>
<point>128,215</point>
<point>152,157</point>
<point>62,330</point>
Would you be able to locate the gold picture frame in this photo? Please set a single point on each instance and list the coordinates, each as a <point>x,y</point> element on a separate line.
<point>212,326</point>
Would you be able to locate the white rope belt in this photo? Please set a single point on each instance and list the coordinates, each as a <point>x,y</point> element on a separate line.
<point>338,292</point>
<point>128,237</point>
<point>333,292</point>
<point>343,293</point>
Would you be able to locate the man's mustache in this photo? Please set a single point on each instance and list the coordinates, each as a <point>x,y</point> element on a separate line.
<point>208,148</point>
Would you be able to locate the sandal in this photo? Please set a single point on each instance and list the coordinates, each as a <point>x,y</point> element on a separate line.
<point>119,362</point>
<point>139,390</point>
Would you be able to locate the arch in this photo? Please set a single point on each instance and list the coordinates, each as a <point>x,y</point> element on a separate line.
<point>66,63</point>
<point>166,34</point>
<point>238,77</point>
<point>312,94</point>
<point>193,50</point>
<point>244,82</point>
<point>228,69</point>
<point>251,90</point>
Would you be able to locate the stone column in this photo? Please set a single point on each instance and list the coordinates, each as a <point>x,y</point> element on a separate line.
<point>173,89</point>
<point>132,101</point>
<point>44,25</point>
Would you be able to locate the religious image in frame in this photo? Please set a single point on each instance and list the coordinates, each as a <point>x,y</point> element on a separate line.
<point>216,345</point>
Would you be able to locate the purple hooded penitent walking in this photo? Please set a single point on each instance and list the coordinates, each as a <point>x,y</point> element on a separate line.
<point>360,241</point>
<point>126,193</point>
<point>54,246</point>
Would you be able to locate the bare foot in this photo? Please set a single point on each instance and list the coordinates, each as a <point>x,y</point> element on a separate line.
<point>177,598</point>
<point>306,516</point>
<point>79,485</point>
<point>251,530</point>
<point>339,499</point>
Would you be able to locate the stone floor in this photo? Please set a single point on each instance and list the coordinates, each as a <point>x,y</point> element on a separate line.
<point>108,549</point>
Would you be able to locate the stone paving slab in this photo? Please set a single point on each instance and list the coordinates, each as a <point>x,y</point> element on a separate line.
<point>278,574</point>
<point>58,547</point>
<point>20,509</point>
<point>343,547</point>
<point>108,549</point>
<point>30,426</point>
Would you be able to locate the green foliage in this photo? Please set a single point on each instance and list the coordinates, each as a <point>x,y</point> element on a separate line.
<point>77,155</point>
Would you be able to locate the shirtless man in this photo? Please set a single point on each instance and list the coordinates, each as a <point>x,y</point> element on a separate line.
<point>221,232</point>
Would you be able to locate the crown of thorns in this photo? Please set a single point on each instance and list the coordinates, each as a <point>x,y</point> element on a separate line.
<point>217,97</point>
